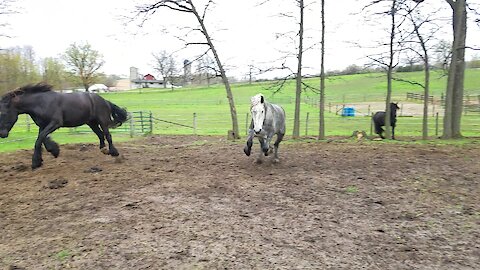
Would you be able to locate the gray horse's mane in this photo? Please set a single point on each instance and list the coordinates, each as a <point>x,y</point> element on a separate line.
<point>27,89</point>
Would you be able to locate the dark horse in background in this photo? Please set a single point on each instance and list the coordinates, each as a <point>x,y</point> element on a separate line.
<point>379,120</point>
<point>51,110</point>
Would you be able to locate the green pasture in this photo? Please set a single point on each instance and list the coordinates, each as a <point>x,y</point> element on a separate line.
<point>212,112</point>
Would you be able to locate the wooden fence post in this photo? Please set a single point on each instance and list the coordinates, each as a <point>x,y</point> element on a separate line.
<point>436,124</point>
<point>246,124</point>
<point>151,122</point>
<point>306,124</point>
<point>132,125</point>
<point>141,121</point>
<point>371,124</point>
<point>27,119</point>
<point>195,123</point>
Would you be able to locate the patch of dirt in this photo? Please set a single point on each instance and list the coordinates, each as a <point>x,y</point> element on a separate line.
<point>190,202</point>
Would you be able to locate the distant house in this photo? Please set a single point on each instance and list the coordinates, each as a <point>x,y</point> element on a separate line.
<point>145,81</point>
<point>97,88</point>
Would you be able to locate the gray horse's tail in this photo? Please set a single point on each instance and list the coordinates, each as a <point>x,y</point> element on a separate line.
<point>119,115</point>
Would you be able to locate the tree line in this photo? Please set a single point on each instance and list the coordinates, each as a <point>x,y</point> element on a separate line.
<point>78,66</point>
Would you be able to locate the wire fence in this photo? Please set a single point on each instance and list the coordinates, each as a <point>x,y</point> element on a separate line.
<point>335,125</point>
<point>409,122</point>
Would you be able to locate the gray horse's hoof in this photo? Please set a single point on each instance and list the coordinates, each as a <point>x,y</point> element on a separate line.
<point>247,150</point>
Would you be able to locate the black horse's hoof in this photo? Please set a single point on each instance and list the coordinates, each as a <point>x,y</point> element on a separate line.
<point>55,152</point>
<point>36,165</point>
<point>247,150</point>
<point>114,153</point>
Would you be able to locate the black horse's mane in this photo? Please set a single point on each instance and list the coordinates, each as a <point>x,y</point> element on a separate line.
<point>27,89</point>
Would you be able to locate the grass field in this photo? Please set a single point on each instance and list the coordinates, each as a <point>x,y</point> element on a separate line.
<point>210,106</point>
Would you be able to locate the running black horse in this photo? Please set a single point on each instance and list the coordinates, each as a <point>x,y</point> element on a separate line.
<point>51,110</point>
<point>379,120</point>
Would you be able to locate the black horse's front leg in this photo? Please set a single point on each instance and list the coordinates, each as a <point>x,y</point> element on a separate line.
<point>51,146</point>
<point>393,131</point>
<point>111,148</point>
<point>42,135</point>
<point>96,129</point>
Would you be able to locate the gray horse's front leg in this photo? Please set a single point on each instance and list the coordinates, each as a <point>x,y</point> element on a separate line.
<point>264,149</point>
<point>265,145</point>
<point>277,143</point>
<point>248,148</point>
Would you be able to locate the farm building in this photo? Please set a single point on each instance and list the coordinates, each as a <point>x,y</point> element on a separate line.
<point>143,81</point>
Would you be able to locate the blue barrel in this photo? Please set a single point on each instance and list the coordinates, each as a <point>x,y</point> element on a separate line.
<point>348,111</point>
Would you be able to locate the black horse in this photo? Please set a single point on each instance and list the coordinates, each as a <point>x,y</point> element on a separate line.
<point>379,120</point>
<point>51,110</point>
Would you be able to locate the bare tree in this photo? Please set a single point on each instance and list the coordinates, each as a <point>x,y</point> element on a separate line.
<point>207,69</point>
<point>165,64</point>
<point>419,23</point>
<point>187,6</point>
<point>298,79</point>
<point>6,8</point>
<point>321,126</point>
<point>84,61</point>
<point>443,53</point>
<point>388,59</point>
<point>300,48</point>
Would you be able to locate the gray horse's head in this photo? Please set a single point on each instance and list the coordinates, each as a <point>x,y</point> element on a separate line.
<point>258,112</point>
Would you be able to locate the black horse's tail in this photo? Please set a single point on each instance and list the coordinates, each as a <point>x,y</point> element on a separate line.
<point>119,115</point>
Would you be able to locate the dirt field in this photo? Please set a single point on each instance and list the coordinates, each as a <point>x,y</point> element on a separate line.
<point>200,203</point>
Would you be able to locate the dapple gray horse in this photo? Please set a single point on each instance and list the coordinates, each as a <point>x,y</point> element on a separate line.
<point>267,120</point>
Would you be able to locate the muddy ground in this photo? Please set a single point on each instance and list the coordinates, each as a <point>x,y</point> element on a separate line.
<point>200,203</point>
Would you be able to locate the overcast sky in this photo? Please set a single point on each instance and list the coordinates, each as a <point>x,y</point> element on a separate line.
<point>243,32</point>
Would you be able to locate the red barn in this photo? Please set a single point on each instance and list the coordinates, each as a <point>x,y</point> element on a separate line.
<point>149,77</point>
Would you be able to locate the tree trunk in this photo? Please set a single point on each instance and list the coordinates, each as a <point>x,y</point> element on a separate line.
<point>321,129</point>
<point>460,29</point>
<point>233,110</point>
<point>390,73</point>
<point>426,94</point>
<point>426,90</point>
<point>298,89</point>
<point>456,74</point>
